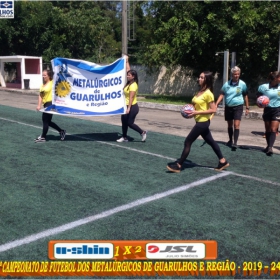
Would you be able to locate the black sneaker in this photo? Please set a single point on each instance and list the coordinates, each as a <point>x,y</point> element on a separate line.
<point>234,147</point>
<point>269,151</point>
<point>222,166</point>
<point>40,139</point>
<point>229,143</point>
<point>173,167</point>
<point>265,150</point>
<point>62,134</point>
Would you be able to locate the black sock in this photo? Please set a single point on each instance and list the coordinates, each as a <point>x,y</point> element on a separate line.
<point>272,139</point>
<point>230,133</point>
<point>267,136</point>
<point>236,135</point>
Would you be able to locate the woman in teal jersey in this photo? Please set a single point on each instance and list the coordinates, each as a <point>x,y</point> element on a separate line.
<point>271,113</point>
<point>235,93</point>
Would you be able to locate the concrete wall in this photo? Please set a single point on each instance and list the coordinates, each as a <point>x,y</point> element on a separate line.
<point>175,81</point>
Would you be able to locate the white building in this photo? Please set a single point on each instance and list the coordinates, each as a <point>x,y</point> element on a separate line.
<point>28,72</point>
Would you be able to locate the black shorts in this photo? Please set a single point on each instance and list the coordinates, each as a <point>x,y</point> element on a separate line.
<point>233,113</point>
<point>271,114</point>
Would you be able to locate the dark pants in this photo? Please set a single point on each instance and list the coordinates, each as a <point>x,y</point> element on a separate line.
<point>200,128</point>
<point>47,121</point>
<point>128,121</point>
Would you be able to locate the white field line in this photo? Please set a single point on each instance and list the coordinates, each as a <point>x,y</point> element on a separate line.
<point>8,120</point>
<point>256,179</point>
<point>108,213</point>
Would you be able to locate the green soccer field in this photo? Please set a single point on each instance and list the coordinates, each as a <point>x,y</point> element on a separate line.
<point>89,187</point>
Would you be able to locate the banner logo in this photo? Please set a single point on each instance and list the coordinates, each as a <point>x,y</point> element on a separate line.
<point>171,251</point>
<point>7,9</point>
<point>86,250</point>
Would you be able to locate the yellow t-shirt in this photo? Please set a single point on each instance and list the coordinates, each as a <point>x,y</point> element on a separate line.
<point>127,89</point>
<point>201,103</point>
<point>46,92</point>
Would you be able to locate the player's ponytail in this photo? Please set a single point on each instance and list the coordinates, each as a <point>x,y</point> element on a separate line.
<point>50,74</point>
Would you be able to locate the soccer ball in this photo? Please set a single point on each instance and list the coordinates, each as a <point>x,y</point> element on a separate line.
<point>186,110</point>
<point>262,101</point>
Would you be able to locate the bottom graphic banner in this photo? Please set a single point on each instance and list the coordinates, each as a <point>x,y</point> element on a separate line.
<point>133,268</point>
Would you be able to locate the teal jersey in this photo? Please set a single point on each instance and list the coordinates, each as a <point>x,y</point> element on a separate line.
<point>273,93</point>
<point>234,93</point>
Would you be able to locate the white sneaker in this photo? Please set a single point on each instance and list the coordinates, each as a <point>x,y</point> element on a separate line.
<point>144,136</point>
<point>62,134</point>
<point>122,140</point>
<point>39,139</point>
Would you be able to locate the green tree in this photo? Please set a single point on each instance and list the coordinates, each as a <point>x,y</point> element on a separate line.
<point>80,30</point>
<point>190,33</point>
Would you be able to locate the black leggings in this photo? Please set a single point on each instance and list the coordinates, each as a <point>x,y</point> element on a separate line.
<point>128,120</point>
<point>200,128</point>
<point>47,121</point>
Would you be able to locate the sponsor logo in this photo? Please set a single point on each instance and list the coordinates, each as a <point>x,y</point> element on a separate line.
<point>175,251</point>
<point>7,9</point>
<point>86,250</point>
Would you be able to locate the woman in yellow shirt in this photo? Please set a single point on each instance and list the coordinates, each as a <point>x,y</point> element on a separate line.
<point>204,106</point>
<point>130,91</point>
<point>45,98</point>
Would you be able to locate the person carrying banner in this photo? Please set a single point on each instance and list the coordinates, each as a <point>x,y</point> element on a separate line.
<point>45,98</point>
<point>130,91</point>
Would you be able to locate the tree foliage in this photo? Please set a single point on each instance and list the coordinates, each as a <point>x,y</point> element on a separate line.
<point>190,33</point>
<point>169,33</point>
<point>81,30</point>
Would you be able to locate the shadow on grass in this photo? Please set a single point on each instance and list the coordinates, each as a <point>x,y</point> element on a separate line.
<point>106,137</point>
<point>256,148</point>
<point>243,147</point>
<point>189,164</point>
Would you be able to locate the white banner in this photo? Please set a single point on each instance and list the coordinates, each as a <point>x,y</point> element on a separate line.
<point>87,89</point>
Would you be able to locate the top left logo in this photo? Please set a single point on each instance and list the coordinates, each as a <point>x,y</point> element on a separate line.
<point>6,9</point>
